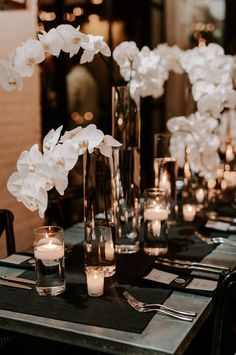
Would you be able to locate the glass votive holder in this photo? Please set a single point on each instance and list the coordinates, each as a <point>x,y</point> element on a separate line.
<point>189,212</point>
<point>95,281</point>
<point>49,260</point>
<point>155,221</point>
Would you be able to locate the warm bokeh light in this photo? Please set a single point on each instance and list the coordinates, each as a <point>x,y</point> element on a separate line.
<point>68,16</point>
<point>94,18</point>
<point>46,16</point>
<point>96,2</point>
<point>78,11</point>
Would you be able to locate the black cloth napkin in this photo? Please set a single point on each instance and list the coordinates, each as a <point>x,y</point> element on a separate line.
<point>110,310</point>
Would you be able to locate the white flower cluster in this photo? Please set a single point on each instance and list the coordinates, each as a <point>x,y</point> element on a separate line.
<point>37,172</point>
<point>66,38</point>
<point>196,133</point>
<point>210,72</point>
<point>146,70</point>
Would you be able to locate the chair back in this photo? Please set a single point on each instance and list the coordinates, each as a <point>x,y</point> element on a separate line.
<point>224,326</point>
<point>6,225</point>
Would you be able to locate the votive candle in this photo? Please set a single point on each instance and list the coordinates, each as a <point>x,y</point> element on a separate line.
<point>95,281</point>
<point>189,212</point>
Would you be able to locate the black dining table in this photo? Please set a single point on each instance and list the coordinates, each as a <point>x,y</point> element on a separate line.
<point>108,324</point>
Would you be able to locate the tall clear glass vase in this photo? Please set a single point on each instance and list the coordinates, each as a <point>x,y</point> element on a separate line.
<point>126,129</point>
<point>99,216</point>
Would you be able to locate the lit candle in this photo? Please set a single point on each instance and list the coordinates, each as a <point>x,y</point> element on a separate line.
<point>229,153</point>
<point>109,250</point>
<point>95,281</point>
<point>200,195</point>
<point>155,213</point>
<point>49,249</point>
<point>189,212</point>
<point>165,183</point>
<point>156,228</point>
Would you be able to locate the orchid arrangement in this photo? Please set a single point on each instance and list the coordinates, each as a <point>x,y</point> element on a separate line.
<point>210,73</point>
<point>23,60</point>
<point>196,133</point>
<point>146,70</point>
<point>38,172</point>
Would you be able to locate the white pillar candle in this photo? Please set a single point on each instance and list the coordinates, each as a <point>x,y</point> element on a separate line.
<point>95,281</point>
<point>49,249</point>
<point>189,212</point>
<point>109,250</point>
<point>165,183</point>
<point>200,195</point>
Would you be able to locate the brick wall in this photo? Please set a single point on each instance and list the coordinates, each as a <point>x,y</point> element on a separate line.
<point>19,122</point>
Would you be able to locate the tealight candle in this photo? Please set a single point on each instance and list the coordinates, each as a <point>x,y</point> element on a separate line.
<point>95,281</point>
<point>189,212</point>
<point>109,250</point>
<point>200,195</point>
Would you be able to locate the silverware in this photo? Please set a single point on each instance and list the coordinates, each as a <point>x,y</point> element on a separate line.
<point>158,310</point>
<point>215,240</point>
<point>216,269</point>
<point>14,284</point>
<point>17,279</point>
<point>215,217</point>
<point>128,296</point>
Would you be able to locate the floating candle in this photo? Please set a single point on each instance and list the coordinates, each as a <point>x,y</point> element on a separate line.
<point>49,249</point>
<point>155,213</point>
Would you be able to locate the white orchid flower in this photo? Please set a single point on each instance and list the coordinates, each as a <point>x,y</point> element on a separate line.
<point>9,77</point>
<point>94,45</point>
<point>72,38</point>
<point>230,99</point>
<point>14,184</point>
<point>51,139</point>
<point>210,105</point>
<point>106,145</point>
<point>52,42</point>
<point>70,134</point>
<point>27,56</point>
<point>64,155</point>
<point>30,161</point>
<point>125,52</point>
<point>87,139</point>
<point>34,197</point>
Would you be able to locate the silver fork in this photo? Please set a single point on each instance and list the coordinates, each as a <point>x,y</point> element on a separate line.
<point>161,311</point>
<point>140,304</point>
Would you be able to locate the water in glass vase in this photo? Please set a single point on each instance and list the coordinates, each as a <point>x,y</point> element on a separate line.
<point>165,171</point>
<point>127,203</point>
<point>50,279</point>
<point>99,249</point>
<point>156,231</point>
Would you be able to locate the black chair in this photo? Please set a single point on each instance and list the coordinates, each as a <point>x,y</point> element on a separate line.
<point>224,326</point>
<point>6,225</point>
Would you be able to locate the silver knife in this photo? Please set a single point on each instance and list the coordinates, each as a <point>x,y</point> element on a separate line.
<point>195,264</point>
<point>189,267</point>
<point>18,279</point>
<point>14,284</point>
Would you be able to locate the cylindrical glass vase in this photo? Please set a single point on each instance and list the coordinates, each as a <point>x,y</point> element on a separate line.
<point>99,199</point>
<point>126,129</point>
